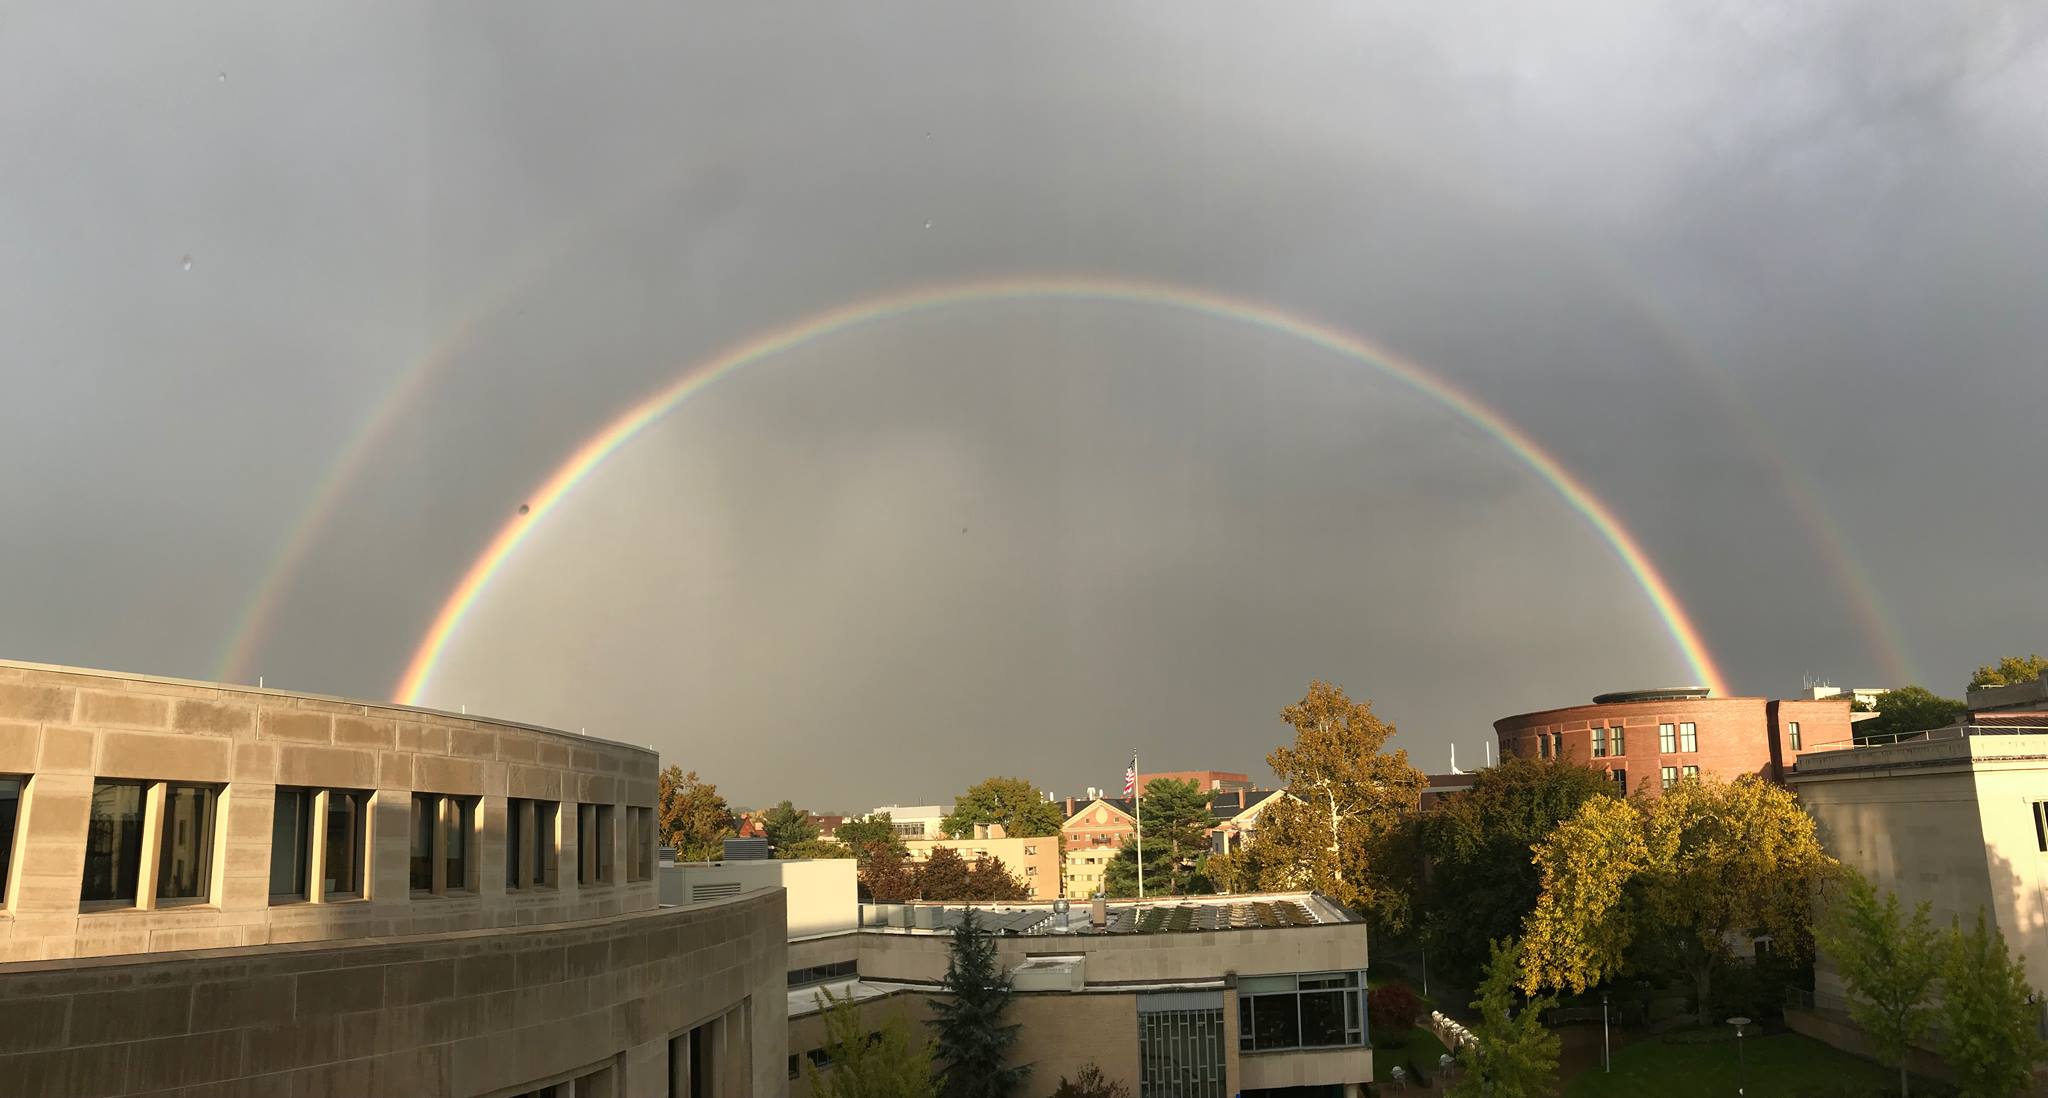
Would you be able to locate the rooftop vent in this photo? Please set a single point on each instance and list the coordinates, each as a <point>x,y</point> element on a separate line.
<point>746,850</point>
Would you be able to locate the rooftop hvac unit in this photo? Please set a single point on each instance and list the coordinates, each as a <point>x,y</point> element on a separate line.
<point>929,916</point>
<point>746,850</point>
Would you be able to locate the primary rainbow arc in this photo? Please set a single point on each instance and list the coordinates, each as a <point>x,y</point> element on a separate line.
<point>592,453</point>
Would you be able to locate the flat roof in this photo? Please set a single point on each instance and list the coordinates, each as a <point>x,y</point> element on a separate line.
<point>1172,915</point>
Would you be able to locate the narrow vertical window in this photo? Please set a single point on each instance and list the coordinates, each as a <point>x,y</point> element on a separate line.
<point>1688,737</point>
<point>113,842</point>
<point>1621,782</point>
<point>1795,735</point>
<point>1616,745</point>
<point>545,870</point>
<point>426,811</point>
<point>605,844</point>
<point>1670,776</point>
<point>459,814</point>
<point>291,844</point>
<point>1599,743</point>
<point>1667,738</point>
<point>10,810</point>
<point>2041,825</point>
<point>343,867</point>
<point>518,817</point>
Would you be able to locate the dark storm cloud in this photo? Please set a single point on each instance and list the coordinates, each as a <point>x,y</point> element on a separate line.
<point>1685,249</point>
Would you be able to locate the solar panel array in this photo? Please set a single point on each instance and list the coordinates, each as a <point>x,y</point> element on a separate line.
<point>1161,918</point>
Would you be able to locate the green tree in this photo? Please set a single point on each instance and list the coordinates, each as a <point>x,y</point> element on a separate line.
<point>888,1063</point>
<point>692,817</point>
<point>866,832</point>
<point>1483,881</point>
<point>1513,1055</point>
<point>973,1039</point>
<point>1989,1039</point>
<point>1346,830</point>
<point>989,879</point>
<point>943,876</point>
<point>887,875</point>
<point>1089,1083</point>
<point>813,848</point>
<point>1176,828</point>
<point>1678,876</point>
<point>1019,806</point>
<point>787,825</point>
<point>1889,962</point>
<point>2011,671</point>
<point>1910,709</point>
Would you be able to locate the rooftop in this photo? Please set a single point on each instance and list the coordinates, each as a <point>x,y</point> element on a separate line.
<point>1668,693</point>
<point>1955,745</point>
<point>1180,914</point>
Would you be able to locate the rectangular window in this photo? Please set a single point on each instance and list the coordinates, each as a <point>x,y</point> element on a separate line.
<point>1670,776</point>
<point>1180,1053</point>
<point>291,844</point>
<point>185,857</point>
<point>822,974</point>
<point>1688,737</point>
<point>1621,782</point>
<point>1031,871</point>
<point>458,815</point>
<point>1616,745</point>
<point>639,844</point>
<point>2041,825</point>
<point>545,871</point>
<point>1029,850</point>
<point>342,862</point>
<point>1311,1010</point>
<point>1542,745</point>
<point>426,817</point>
<point>1795,735</point>
<point>1557,745</point>
<point>1599,744</point>
<point>604,844</point>
<point>1667,738</point>
<point>1691,772</point>
<point>113,842</point>
<point>10,811</point>
<point>518,821</point>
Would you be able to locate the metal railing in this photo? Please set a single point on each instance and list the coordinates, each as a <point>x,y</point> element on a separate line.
<point>1952,732</point>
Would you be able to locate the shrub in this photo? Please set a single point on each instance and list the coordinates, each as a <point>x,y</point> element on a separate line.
<point>1089,1083</point>
<point>1393,1009</point>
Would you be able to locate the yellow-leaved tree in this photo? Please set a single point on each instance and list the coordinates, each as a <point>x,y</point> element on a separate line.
<point>1345,828</point>
<point>1707,863</point>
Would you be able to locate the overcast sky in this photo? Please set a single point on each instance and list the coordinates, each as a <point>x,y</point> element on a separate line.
<point>1772,280</point>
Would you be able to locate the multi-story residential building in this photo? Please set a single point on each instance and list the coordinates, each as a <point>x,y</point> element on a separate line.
<point>1234,816</point>
<point>1091,837</point>
<point>216,889</point>
<point>1955,816</point>
<point>1648,740</point>
<point>1035,861</point>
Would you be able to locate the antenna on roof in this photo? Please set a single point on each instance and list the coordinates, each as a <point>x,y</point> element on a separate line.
<point>1454,759</point>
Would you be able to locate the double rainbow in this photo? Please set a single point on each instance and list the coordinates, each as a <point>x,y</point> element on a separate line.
<point>621,430</point>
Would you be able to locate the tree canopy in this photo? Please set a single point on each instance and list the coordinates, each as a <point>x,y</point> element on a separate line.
<point>890,1062</point>
<point>814,848</point>
<point>1513,1054</point>
<point>1910,709</point>
<point>2011,671</point>
<point>1889,963</point>
<point>692,817</point>
<point>1483,881</point>
<point>863,833</point>
<point>788,825</point>
<point>989,879</point>
<point>974,1041</point>
<point>1680,874</point>
<point>943,876</point>
<point>1346,830</point>
<point>1990,1037</point>
<point>1012,802</point>
<point>887,875</point>
<point>1175,824</point>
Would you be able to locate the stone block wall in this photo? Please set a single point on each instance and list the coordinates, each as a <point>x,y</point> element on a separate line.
<point>470,1013</point>
<point>61,728</point>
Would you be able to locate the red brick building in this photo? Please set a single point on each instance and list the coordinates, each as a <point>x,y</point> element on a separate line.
<point>1648,739</point>
<point>1208,781</point>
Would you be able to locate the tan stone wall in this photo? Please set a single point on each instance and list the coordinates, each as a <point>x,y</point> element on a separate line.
<point>463,1014</point>
<point>63,727</point>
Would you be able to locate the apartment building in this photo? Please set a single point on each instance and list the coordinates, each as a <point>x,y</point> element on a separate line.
<point>211,889</point>
<point>1035,861</point>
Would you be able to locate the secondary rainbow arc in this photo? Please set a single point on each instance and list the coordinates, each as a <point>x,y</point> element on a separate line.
<point>1685,635</point>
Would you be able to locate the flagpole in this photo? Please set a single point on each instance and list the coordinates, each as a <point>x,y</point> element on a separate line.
<point>1138,802</point>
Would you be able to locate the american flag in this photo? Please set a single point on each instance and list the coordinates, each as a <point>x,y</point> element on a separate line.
<point>1131,778</point>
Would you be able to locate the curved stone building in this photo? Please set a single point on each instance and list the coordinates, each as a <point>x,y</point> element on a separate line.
<point>1649,739</point>
<point>212,889</point>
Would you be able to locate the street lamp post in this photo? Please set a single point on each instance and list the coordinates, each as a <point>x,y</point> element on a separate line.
<point>1606,1050</point>
<point>1741,1069</point>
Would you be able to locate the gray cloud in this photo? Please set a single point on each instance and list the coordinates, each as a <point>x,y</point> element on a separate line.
<point>1692,252</point>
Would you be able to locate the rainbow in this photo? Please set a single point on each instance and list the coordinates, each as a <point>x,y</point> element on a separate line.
<point>621,430</point>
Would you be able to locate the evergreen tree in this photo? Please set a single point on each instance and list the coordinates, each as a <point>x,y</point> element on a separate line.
<point>973,1039</point>
<point>1514,1055</point>
<point>1176,829</point>
<point>1990,1040</point>
<point>788,825</point>
<point>889,1063</point>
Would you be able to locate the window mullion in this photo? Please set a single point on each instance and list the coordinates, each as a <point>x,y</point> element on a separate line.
<point>316,848</point>
<point>151,853</point>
